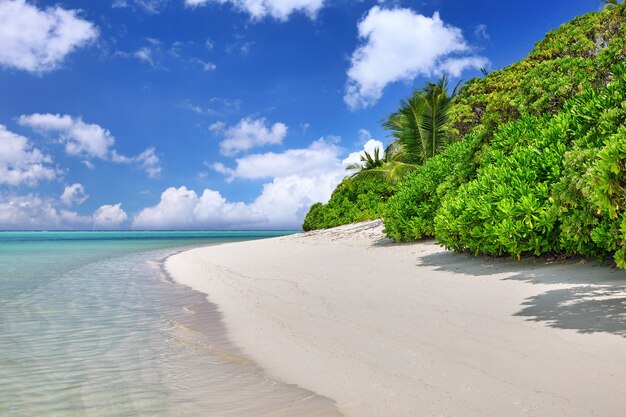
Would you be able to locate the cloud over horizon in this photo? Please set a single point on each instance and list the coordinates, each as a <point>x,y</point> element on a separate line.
<point>33,212</point>
<point>299,178</point>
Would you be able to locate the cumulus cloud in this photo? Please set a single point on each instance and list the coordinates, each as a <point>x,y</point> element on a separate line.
<point>109,216</point>
<point>258,9</point>
<point>37,40</point>
<point>398,45</point>
<point>88,140</point>
<point>282,204</point>
<point>20,162</point>
<point>299,178</point>
<point>319,157</point>
<point>181,208</point>
<point>31,212</point>
<point>80,138</point>
<point>74,194</point>
<point>247,134</point>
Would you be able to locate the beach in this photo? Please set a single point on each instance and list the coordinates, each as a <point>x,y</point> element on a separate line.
<point>388,329</point>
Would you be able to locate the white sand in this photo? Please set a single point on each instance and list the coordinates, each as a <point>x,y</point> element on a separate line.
<point>412,330</point>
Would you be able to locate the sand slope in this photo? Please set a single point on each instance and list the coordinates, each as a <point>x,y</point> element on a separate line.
<point>413,330</point>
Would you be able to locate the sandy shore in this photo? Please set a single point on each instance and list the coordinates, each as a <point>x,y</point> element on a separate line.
<point>412,330</point>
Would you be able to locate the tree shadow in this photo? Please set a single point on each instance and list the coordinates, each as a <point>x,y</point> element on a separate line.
<point>594,301</point>
<point>586,309</point>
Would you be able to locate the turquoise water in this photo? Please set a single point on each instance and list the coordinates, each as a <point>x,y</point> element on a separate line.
<point>90,325</point>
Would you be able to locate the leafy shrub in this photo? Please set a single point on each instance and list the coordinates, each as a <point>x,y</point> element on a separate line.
<point>575,57</point>
<point>549,184</point>
<point>410,213</point>
<point>354,200</point>
<point>507,208</point>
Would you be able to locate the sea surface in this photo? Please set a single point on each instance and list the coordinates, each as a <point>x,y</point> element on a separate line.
<point>91,325</point>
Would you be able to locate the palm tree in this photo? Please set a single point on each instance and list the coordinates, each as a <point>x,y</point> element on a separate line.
<point>610,4</point>
<point>367,162</point>
<point>390,166</point>
<point>419,125</point>
<point>419,129</point>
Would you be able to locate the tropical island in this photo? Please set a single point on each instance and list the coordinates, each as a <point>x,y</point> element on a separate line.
<point>529,159</point>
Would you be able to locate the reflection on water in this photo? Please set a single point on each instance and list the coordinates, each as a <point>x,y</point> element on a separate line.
<point>113,336</point>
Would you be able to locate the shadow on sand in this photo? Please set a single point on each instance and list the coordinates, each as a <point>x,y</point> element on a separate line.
<point>594,301</point>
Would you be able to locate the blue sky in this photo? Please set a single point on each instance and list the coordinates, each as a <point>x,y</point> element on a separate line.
<point>221,114</point>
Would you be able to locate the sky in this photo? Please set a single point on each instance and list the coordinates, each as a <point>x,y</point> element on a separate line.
<point>221,114</point>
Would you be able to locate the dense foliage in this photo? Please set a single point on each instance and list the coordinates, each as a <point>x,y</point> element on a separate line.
<point>410,213</point>
<point>549,184</point>
<point>538,159</point>
<point>571,59</point>
<point>354,200</point>
<point>545,168</point>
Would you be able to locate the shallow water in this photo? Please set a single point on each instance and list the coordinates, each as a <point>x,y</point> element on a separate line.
<point>90,325</point>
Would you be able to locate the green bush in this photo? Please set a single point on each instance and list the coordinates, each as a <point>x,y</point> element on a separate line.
<point>410,213</point>
<point>507,207</point>
<point>548,184</point>
<point>354,200</point>
<point>571,59</point>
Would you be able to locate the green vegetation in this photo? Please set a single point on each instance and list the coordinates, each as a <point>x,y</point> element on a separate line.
<point>530,159</point>
<point>420,131</point>
<point>354,200</point>
<point>410,213</point>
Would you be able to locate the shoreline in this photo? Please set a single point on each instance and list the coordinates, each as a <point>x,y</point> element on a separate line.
<point>414,330</point>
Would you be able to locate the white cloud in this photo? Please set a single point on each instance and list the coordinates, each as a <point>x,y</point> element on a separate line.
<point>181,208</point>
<point>31,212</point>
<point>456,66</point>
<point>38,40</point>
<point>74,194</point>
<point>286,200</point>
<point>399,45</point>
<point>149,162</point>
<point>370,146</point>
<point>145,54</point>
<point>74,220</point>
<point>80,138</point>
<point>109,217</point>
<point>27,212</point>
<point>282,203</point>
<point>88,140</point>
<point>480,31</point>
<point>320,157</point>
<point>247,134</point>
<point>278,9</point>
<point>205,65</point>
<point>20,162</point>
<point>364,135</point>
<point>149,6</point>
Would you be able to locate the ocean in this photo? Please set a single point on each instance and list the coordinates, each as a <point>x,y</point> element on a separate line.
<point>91,325</point>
